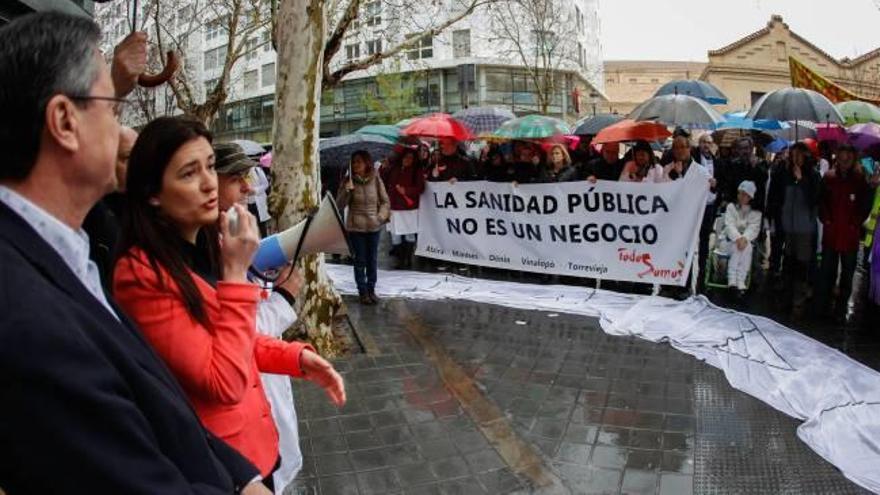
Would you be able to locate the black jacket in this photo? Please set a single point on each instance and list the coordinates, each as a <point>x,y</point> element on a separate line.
<point>783,178</point>
<point>87,406</point>
<point>731,174</point>
<point>102,224</point>
<point>567,174</point>
<point>602,170</point>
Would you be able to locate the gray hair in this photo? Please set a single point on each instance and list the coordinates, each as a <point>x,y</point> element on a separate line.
<point>41,55</point>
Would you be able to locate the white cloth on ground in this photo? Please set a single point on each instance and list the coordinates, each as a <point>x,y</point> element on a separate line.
<point>837,398</point>
<point>274,316</point>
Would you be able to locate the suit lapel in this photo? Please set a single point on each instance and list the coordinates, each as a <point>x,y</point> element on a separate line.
<point>17,233</point>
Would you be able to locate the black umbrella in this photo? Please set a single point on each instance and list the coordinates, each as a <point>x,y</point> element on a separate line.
<point>795,104</point>
<point>591,126</point>
<point>678,111</point>
<point>336,152</point>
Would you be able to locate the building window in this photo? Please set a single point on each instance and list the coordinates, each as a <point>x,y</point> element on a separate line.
<point>580,54</point>
<point>655,80</point>
<point>251,81</point>
<point>428,97</point>
<point>215,58</point>
<point>756,95</point>
<point>373,13</point>
<point>633,80</point>
<point>214,29</point>
<point>545,42</point>
<point>269,74</point>
<point>250,49</point>
<point>209,85</point>
<point>184,16</point>
<point>265,41</point>
<point>353,52</point>
<point>781,51</point>
<point>424,48</point>
<point>374,46</point>
<point>461,43</point>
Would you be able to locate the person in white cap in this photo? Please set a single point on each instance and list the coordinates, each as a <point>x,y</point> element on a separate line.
<point>741,226</point>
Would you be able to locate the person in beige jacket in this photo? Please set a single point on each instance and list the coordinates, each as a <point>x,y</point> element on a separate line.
<point>363,193</point>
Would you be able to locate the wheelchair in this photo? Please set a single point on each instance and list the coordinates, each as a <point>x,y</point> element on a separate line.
<point>715,271</point>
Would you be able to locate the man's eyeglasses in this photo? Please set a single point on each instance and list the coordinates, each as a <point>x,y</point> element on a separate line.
<point>117,102</point>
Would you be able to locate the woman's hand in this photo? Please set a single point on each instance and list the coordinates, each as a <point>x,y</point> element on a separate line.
<point>237,251</point>
<point>741,243</point>
<point>320,372</point>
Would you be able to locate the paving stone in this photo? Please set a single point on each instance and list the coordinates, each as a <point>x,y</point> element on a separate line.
<point>332,464</point>
<point>484,460</point>
<point>636,482</point>
<point>415,474</point>
<point>378,482</point>
<point>676,484</point>
<point>450,467</point>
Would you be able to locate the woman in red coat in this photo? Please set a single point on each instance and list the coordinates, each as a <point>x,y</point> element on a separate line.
<point>843,208</point>
<point>186,286</point>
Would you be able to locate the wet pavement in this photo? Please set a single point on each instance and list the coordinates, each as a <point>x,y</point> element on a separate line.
<point>459,397</point>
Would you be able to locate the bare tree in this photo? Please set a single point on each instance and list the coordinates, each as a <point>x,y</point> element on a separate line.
<point>540,36</point>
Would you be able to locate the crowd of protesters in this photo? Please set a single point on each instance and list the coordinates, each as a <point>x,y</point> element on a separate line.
<point>798,218</point>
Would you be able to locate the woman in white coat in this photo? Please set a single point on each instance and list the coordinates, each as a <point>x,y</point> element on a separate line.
<point>741,227</point>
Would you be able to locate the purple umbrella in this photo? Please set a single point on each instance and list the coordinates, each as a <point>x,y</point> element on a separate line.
<point>864,136</point>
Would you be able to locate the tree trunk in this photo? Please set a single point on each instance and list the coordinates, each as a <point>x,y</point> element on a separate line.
<point>301,29</point>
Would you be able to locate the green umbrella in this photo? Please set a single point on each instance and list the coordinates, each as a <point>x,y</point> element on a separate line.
<point>405,122</point>
<point>532,127</point>
<point>859,112</point>
<point>390,132</point>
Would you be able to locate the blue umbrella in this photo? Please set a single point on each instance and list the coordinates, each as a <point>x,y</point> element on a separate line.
<point>483,120</point>
<point>336,152</point>
<point>738,122</point>
<point>777,145</point>
<point>697,89</point>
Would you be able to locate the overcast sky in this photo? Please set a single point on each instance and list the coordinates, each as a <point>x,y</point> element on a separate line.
<point>687,29</point>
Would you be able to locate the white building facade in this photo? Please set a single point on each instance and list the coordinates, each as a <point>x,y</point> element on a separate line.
<point>465,65</point>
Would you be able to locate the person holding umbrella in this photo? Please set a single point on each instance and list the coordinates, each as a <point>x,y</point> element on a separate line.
<point>404,183</point>
<point>363,193</point>
<point>643,167</point>
<point>842,210</point>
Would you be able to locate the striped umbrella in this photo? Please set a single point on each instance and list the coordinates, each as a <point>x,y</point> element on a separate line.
<point>532,127</point>
<point>483,120</point>
<point>336,152</point>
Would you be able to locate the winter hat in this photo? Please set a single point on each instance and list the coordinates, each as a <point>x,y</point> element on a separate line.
<point>748,187</point>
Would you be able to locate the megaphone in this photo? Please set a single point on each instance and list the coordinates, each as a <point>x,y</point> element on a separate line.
<point>320,232</point>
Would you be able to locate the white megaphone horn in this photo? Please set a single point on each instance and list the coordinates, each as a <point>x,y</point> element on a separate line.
<point>321,232</point>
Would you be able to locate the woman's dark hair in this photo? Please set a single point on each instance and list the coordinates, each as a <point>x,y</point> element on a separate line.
<point>145,227</point>
<point>365,156</point>
<point>809,160</point>
<point>646,147</point>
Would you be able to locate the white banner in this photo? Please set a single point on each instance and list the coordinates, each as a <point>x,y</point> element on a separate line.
<point>609,230</point>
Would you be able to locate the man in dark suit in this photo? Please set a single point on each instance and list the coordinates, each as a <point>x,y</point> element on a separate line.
<point>87,407</point>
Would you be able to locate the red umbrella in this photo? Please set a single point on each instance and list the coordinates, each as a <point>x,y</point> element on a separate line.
<point>438,126</point>
<point>631,130</point>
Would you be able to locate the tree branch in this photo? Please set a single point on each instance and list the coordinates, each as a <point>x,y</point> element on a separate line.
<point>334,42</point>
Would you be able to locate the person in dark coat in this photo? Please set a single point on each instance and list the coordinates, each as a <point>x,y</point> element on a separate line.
<point>744,166</point>
<point>608,166</point>
<point>559,167</point>
<point>843,208</point>
<point>452,165</point>
<point>497,168</point>
<point>102,222</point>
<point>793,203</point>
<point>87,405</point>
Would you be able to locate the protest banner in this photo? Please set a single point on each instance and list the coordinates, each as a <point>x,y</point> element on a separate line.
<point>608,230</point>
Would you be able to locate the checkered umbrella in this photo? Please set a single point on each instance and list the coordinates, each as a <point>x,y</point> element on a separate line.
<point>532,127</point>
<point>483,120</point>
<point>336,152</point>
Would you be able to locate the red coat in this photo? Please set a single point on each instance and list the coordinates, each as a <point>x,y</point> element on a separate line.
<point>218,366</point>
<point>842,210</point>
<point>413,182</point>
